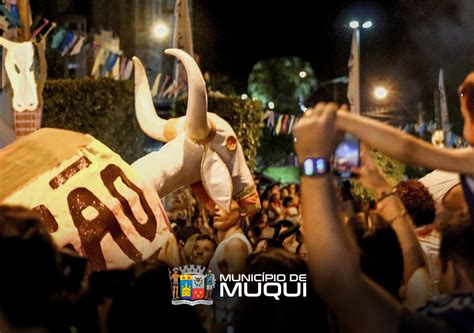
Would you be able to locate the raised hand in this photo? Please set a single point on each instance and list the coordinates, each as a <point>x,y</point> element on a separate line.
<point>315,133</point>
<point>370,175</point>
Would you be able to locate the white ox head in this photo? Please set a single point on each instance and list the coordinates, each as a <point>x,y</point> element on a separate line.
<point>201,146</point>
<point>20,67</point>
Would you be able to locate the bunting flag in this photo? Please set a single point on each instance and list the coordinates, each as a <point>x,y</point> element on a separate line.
<point>99,60</point>
<point>11,15</point>
<point>68,43</point>
<point>37,30</point>
<point>174,90</point>
<point>58,38</point>
<point>3,23</point>
<point>279,124</point>
<point>109,63</point>
<point>452,139</point>
<point>76,49</point>
<point>432,126</point>
<point>108,58</point>
<point>156,84</point>
<point>182,38</point>
<point>127,70</point>
<point>421,128</point>
<point>51,27</point>
<point>163,86</point>
<point>353,89</point>
<point>36,22</point>
<point>123,65</point>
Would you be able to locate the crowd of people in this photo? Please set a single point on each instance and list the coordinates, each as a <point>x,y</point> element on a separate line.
<point>401,263</point>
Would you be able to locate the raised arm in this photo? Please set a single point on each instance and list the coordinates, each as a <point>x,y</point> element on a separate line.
<point>391,208</point>
<point>393,211</point>
<point>359,304</point>
<point>404,147</point>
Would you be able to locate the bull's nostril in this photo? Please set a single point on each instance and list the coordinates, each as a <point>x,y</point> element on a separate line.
<point>31,104</point>
<point>19,105</point>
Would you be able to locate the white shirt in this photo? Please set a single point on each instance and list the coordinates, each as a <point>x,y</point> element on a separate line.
<point>439,183</point>
<point>217,257</point>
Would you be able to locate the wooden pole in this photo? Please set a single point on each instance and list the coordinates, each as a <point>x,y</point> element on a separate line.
<point>24,11</point>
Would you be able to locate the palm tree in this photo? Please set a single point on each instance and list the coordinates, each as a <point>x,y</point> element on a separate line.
<point>283,81</point>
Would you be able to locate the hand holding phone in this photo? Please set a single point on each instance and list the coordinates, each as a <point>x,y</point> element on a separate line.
<point>346,156</point>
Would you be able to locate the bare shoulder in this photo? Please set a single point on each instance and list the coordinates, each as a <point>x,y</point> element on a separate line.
<point>236,245</point>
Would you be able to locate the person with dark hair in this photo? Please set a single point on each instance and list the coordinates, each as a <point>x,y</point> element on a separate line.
<point>294,189</point>
<point>418,201</point>
<point>233,247</point>
<point>295,193</point>
<point>456,256</point>
<point>275,188</point>
<point>29,273</point>
<point>457,248</point>
<point>230,256</point>
<point>422,209</point>
<point>185,235</point>
<point>372,233</point>
<point>275,209</point>
<point>203,250</point>
<point>359,304</point>
<point>254,233</point>
<point>290,211</point>
<point>263,314</point>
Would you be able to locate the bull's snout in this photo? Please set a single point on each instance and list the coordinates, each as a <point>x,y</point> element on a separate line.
<point>25,105</point>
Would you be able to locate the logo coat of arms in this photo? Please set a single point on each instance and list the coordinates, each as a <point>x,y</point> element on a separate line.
<point>192,285</point>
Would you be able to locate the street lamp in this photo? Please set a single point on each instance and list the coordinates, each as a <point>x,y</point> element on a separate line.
<point>367,25</point>
<point>160,30</point>
<point>380,93</point>
<point>355,67</point>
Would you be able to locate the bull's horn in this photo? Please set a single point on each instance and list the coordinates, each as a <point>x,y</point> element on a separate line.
<point>149,121</point>
<point>197,127</point>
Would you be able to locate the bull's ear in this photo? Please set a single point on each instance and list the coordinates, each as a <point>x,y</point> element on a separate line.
<point>216,179</point>
<point>6,43</point>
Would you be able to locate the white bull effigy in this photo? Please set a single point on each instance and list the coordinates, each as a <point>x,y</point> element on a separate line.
<point>109,211</point>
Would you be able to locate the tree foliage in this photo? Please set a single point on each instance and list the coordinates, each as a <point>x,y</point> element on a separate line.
<point>103,108</point>
<point>393,170</point>
<point>278,80</point>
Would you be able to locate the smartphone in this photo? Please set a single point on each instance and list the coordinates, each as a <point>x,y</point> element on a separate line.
<point>346,156</point>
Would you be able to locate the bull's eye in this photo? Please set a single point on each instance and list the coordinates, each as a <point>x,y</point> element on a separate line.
<point>17,69</point>
<point>32,67</point>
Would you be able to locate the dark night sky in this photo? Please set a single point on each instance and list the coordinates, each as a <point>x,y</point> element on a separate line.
<point>233,38</point>
<point>410,40</point>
